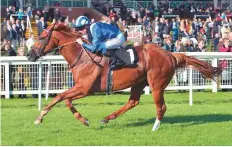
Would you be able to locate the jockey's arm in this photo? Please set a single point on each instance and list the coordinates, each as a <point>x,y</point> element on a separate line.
<point>96,34</point>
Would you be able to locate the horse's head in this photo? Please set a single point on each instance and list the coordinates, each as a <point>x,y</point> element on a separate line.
<point>48,40</point>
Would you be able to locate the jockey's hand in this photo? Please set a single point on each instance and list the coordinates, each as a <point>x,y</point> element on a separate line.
<point>79,40</point>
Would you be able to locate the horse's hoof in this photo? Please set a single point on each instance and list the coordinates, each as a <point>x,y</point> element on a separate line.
<point>86,122</point>
<point>104,121</point>
<point>38,121</point>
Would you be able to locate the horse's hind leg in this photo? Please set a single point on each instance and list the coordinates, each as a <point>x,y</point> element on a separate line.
<point>70,93</point>
<point>136,92</point>
<point>157,85</point>
<point>160,107</point>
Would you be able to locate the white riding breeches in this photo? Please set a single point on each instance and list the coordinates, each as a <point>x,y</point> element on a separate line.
<point>115,42</point>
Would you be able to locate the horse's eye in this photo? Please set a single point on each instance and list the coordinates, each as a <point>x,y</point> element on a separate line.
<point>41,38</point>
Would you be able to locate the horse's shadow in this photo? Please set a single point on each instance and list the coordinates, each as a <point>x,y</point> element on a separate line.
<point>185,120</point>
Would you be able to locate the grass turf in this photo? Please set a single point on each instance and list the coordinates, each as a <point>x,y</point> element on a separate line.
<point>207,122</point>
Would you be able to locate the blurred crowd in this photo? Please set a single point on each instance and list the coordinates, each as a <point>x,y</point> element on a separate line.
<point>202,29</point>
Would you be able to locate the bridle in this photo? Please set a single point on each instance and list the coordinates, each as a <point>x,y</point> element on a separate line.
<point>45,40</point>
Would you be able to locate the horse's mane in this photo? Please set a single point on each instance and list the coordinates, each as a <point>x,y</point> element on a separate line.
<point>62,27</point>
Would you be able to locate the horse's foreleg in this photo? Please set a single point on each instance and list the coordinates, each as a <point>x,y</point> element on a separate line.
<point>136,92</point>
<point>75,112</point>
<point>70,93</point>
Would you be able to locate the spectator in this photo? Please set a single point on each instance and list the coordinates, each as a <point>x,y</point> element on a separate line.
<point>124,29</point>
<point>134,17</point>
<point>230,23</point>
<point>202,34</point>
<point>129,17</point>
<point>226,46</point>
<point>183,45</point>
<point>216,26</point>
<point>20,74</point>
<point>24,29</point>
<point>220,43</point>
<point>156,39</point>
<point>175,30</point>
<point>194,28</point>
<point>15,35</point>
<point>215,42</point>
<point>166,28</point>
<point>184,33</point>
<point>199,25</point>
<point>20,14</point>
<point>57,14</point>
<point>190,46</point>
<point>30,42</point>
<point>4,28</point>
<point>19,31</point>
<point>177,46</point>
<point>201,46</point>
<point>9,33</point>
<point>29,12</point>
<point>169,46</point>
<point>16,4</point>
<point>46,12</point>
<point>141,12</point>
<point>182,26</point>
<point>225,30</point>
<point>97,5</point>
<point>230,38</point>
<point>8,13</point>
<point>6,49</point>
<point>41,25</point>
<point>38,15</point>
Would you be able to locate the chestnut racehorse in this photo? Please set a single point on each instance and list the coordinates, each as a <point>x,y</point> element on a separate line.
<point>155,68</point>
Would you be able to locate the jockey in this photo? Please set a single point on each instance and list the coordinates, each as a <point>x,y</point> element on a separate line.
<point>105,38</point>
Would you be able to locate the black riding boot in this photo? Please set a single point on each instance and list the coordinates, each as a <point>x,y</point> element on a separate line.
<point>115,61</point>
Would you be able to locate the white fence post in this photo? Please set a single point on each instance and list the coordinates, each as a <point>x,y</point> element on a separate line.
<point>190,86</point>
<point>147,90</point>
<point>48,80</point>
<point>7,80</point>
<point>40,86</point>
<point>214,64</point>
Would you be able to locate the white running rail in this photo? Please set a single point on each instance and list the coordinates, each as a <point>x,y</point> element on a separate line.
<point>20,76</point>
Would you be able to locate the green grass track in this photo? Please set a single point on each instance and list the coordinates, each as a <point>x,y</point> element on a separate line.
<point>207,122</point>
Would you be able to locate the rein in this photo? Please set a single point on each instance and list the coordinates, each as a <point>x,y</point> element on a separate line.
<point>79,56</point>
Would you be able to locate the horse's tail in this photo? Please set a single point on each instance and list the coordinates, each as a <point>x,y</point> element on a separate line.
<point>206,69</point>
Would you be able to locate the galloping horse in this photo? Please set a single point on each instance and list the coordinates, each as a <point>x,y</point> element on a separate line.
<point>155,68</point>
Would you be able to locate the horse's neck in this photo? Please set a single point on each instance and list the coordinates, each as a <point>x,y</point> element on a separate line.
<point>71,53</point>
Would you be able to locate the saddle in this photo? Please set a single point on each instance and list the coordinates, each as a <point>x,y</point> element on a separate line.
<point>119,58</point>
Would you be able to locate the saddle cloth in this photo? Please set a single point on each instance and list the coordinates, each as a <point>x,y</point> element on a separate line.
<point>129,56</point>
